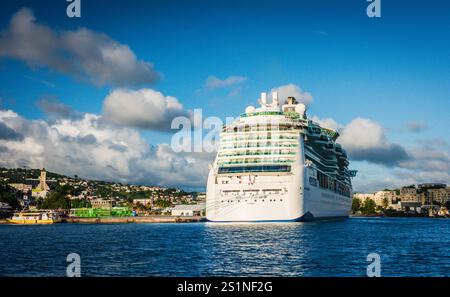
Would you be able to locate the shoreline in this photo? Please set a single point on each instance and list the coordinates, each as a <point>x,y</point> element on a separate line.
<point>170,219</point>
<point>124,220</point>
<point>399,216</point>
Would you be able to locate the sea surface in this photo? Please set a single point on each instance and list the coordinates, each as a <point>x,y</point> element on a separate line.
<point>407,247</point>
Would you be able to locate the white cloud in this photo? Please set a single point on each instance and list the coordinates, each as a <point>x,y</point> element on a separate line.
<point>327,123</point>
<point>396,178</point>
<point>214,82</point>
<point>92,148</point>
<point>83,54</point>
<point>365,139</point>
<point>144,108</point>
<point>53,108</point>
<point>363,133</point>
<point>292,90</point>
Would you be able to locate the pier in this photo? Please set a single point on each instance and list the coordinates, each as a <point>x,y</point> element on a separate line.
<point>143,219</point>
<point>125,220</point>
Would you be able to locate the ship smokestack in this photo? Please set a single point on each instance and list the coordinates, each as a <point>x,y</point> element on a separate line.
<point>264,98</point>
<point>275,96</point>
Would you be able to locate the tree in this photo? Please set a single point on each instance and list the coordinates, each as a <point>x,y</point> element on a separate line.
<point>56,200</point>
<point>447,204</point>
<point>356,205</point>
<point>80,203</point>
<point>162,203</point>
<point>369,207</point>
<point>40,203</point>
<point>7,195</point>
<point>385,203</point>
<point>140,206</point>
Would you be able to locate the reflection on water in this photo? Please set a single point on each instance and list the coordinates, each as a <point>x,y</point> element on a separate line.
<point>336,248</point>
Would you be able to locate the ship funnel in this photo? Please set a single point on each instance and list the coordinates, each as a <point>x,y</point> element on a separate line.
<point>263,98</point>
<point>275,96</point>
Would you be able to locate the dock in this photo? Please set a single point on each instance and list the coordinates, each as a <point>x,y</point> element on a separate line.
<point>125,220</point>
<point>137,219</point>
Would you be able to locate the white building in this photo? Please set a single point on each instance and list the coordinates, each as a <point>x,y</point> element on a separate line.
<point>188,209</point>
<point>380,197</point>
<point>5,206</point>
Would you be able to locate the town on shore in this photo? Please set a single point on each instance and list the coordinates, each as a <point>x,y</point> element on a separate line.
<point>430,199</point>
<point>45,197</point>
<point>41,196</point>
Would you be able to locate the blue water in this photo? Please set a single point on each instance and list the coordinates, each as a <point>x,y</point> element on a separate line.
<point>407,246</point>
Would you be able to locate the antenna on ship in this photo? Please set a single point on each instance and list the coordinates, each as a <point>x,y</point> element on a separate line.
<point>275,102</point>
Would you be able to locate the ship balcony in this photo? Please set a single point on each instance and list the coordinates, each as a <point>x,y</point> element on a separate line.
<point>232,138</point>
<point>255,162</point>
<point>261,142</point>
<point>247,128</point>
<point>227,134</point>
<point>278,146</point>
<point>258,153</point>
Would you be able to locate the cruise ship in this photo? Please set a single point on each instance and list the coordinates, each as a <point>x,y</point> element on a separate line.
<point>275,164</point>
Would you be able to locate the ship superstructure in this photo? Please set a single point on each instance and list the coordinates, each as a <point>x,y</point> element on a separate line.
<point>275,164</point>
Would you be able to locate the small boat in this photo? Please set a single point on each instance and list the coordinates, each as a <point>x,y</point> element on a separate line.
<point>33,218</point>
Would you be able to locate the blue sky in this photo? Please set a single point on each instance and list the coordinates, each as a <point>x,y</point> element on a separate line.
<point>392,70</point>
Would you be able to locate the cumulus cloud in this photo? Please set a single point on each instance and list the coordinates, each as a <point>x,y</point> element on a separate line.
<point>292,90</point>
<point>396,178</point>
<point>7,133</point>
<point>428,158</point>
<point>144,108</point>
<point>53,108</point>
<point>92,148</point>
<point>327,123</point>
<point>365,140</point>
<point>83,54</point>
<point>425,164</point>
<point>385,164</point>
<point>213,82</point>
<point>416,126</point>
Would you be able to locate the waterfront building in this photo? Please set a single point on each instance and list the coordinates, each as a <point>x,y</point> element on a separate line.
<point>5,206</point>
<point>439,195</point>
<point>364,196</point>
<point>431,192</point>
<point>24,188</point>
<point>5,210</point>
<point>188,210</point>
<point>102,203</point>
<point>407,206</point>
<point>380,198</point>
<point>409,194</point>
<point>276,164</point>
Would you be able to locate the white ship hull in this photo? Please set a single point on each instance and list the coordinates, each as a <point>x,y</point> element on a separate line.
<point>305,204</point>
<point>272,197</point>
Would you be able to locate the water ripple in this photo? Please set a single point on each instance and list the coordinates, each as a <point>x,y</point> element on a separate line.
<point>407,246</point>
